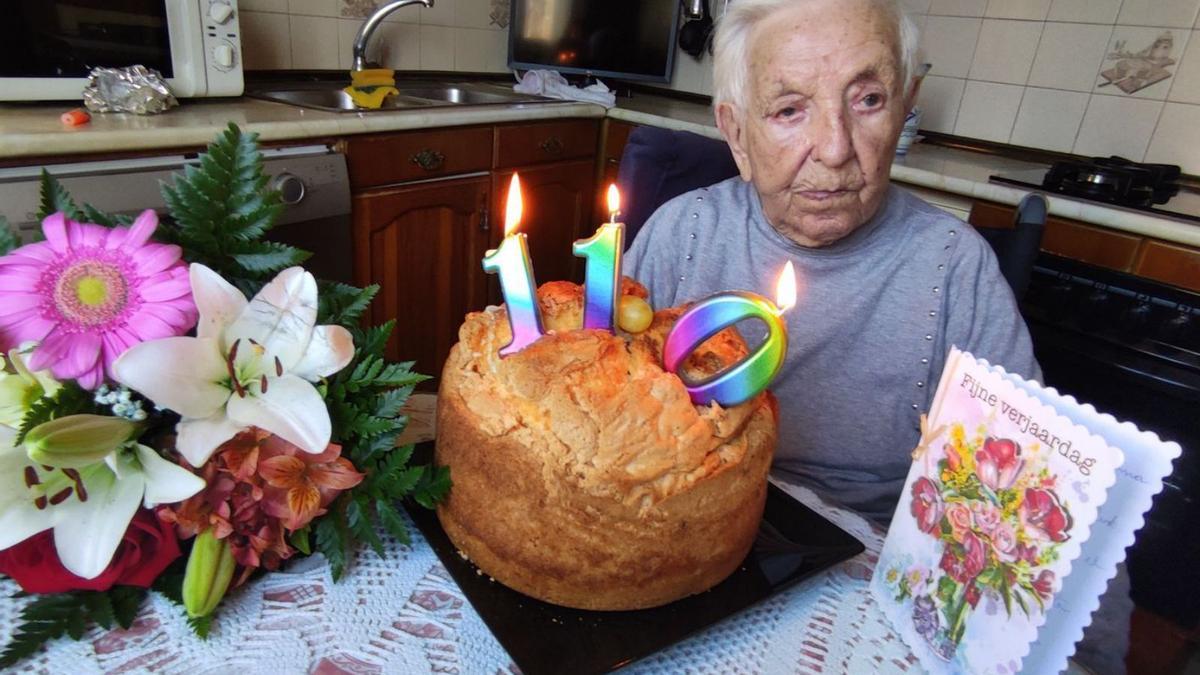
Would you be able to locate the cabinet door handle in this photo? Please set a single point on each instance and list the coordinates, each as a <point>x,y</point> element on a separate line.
<point>430,160</point>
<point>552,145</point>
<point>484,224</point>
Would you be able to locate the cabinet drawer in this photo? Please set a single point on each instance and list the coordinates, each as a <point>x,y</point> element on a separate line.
<point>1170,263</point>
<point>522,144</point>
<point>1090,244</point>
<point>395,158</point>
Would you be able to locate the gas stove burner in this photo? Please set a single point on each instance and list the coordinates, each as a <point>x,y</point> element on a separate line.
<point>1115,180</point>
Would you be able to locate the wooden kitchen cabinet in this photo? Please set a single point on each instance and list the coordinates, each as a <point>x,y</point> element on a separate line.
<point>422,227</point>
<point>558,210</point>
<point>423,244</point>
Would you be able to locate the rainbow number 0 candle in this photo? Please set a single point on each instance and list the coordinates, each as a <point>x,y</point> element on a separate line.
<point>750,376</point>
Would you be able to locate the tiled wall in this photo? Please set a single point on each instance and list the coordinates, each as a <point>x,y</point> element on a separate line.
<point>469,35</point>
<point>1090,77</point>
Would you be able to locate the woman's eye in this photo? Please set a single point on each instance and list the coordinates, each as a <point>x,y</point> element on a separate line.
<point>786,112</point>
<point>873,100</point>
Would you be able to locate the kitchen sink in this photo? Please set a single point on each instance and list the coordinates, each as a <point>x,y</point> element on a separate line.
<point>422,95</point>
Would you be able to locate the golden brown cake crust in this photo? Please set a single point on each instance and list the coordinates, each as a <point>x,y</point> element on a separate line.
<point>583,475</point>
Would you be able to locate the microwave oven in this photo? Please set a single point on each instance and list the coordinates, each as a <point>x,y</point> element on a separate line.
<point>47,47</point>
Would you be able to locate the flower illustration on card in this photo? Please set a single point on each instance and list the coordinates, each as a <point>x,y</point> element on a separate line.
<point>994,510</point>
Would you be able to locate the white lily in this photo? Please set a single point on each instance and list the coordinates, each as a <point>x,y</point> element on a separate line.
<point>88,507</point>
<point>250,364</point>
<point>20,387</point>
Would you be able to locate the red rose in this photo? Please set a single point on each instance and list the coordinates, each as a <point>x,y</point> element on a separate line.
<point>965,563</point>
<point>972,594</point>
<point>998,462</point>
<point>1044,516</point>
<point>926,505</point>
<point>148,547</point>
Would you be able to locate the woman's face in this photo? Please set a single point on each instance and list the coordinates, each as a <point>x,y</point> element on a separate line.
<point>822,114</point>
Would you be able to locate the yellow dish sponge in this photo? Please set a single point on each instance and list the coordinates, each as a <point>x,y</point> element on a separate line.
<point>369,88</point>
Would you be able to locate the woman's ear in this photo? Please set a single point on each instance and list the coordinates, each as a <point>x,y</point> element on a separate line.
<point>729,122</point>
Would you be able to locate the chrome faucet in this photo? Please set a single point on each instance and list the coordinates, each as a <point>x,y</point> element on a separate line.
<point>372,22</point>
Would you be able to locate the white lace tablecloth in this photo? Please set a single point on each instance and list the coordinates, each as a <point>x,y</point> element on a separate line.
<point>403,614</point>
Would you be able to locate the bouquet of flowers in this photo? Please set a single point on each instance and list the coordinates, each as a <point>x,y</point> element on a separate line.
<point>999,521</point>
<point>182,405</point>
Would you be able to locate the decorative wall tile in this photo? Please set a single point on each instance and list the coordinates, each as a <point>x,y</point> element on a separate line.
<point>988,111</point>
<point>1117,125</point>
<point>1005,50</point>
<point>314,42</point>
<point>499,12</point>
<point>437,48</point>
<point>266,40</point>
<point>1069,55</point>
<point>1034,10</point>
<point>938,100</point>
<point>314,7</point>
<point>480,50</point>
<point>1049,119</point>
<point>1167,13</point>
<point>958,7</point>
<point>949,44</point>
<point>358,8</point>
<point>1185,86</point>
<point>1177,138</point>
<point>1140,61</point>
<point>1085,11</point>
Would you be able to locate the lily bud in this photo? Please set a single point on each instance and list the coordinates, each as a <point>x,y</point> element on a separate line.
<point>76,441</point>
<point>209,571</point>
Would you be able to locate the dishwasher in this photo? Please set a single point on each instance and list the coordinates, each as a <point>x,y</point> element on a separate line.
<point>312,181</point>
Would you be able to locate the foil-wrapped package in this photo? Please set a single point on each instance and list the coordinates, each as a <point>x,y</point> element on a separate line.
<point>135,89</point>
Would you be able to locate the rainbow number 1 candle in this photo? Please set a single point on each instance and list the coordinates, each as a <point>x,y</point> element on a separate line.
<point>745,379</point>
<point>511,262</point>
<point>602,273</point>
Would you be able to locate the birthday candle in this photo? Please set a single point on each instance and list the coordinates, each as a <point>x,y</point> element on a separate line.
<point>745,379</point>
<point>511,262</point>
<point>602,273</point>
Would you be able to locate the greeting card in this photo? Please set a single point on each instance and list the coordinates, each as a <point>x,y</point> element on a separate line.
<point>1018,507</point>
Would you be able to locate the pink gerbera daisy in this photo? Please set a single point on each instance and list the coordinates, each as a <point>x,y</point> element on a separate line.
<point>88,292</point>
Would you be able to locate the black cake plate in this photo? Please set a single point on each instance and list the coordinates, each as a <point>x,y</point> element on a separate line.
<point>794,543</point>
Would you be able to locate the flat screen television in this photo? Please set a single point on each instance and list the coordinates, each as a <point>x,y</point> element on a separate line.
<point>622,39</point>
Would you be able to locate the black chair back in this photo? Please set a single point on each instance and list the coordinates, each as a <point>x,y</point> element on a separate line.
<point>1017,249</point>
<point>660,164</point>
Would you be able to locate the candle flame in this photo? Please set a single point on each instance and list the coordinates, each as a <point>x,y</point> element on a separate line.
<point>785,290</point>
<point>614,199</point>
<point>512,210</point>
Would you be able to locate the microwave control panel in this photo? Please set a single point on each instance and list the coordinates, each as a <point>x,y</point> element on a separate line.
<point>222,47</point>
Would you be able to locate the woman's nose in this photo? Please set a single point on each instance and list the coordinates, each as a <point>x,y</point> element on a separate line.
<point>831,141</point>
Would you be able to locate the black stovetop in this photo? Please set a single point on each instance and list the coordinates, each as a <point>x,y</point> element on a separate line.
<point>1183,205</point>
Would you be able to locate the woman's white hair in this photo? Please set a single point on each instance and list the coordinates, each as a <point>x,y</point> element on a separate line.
<point>731,48</point>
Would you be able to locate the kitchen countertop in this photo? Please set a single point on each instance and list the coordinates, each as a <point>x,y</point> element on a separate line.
<point>33,130</point>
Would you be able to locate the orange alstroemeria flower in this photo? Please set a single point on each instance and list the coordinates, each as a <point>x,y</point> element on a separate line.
<point>300,485</point>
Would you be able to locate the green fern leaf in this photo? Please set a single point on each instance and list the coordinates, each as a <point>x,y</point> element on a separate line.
<point>358,518</point>
<point>342,304</point>
<point>55,198</point>
<point>332,540</point>
<point>433,486</point>
<point>220,209</point>
<point>92,214</point>
<point>391,520</point>
<point>8,237</point>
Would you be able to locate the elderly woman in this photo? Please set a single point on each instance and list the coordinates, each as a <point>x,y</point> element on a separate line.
<point>811,97</point>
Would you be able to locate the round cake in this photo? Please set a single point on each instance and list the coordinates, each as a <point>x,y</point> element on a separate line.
<point>582,473</point>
